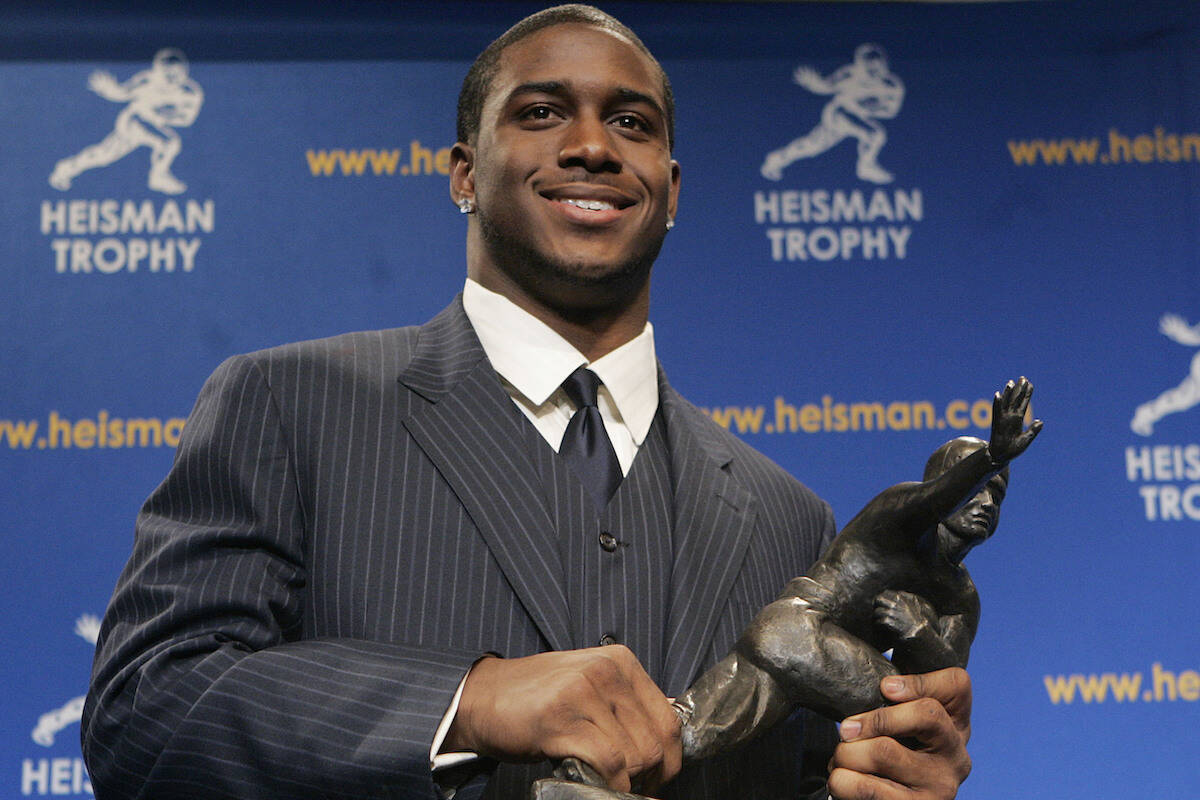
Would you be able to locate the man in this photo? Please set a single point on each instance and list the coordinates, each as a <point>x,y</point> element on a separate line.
<point>353,527</point>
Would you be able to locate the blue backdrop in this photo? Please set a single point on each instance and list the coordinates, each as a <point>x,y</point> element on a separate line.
<point>945,197</point>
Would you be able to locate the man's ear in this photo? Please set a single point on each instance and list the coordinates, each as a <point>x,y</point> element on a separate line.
<point>462,173</point>
<point>673,199</point>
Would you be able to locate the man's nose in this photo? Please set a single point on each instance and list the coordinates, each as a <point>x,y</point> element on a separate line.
<point>588,144</point>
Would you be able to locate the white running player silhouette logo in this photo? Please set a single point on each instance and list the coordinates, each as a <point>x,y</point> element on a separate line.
<point>160,99</point>
<point>50,723</point>
<point>1181,397</point>
<point>863,92</point>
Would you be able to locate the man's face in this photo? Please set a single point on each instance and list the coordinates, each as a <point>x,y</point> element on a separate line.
<point>571,171</point>
<point>977,520</point>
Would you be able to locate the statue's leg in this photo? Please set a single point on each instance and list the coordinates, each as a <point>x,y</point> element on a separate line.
<point>111,148</point>
<point>729,705</point>
<point>816,663</point>
<point>815,142</point>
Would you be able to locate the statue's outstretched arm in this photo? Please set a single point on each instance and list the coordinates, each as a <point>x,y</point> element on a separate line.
<point>936,499</point>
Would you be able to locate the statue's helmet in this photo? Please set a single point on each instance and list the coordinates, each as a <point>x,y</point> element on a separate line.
<point>950,454</point>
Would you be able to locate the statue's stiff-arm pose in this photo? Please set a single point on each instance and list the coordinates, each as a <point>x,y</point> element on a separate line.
<point>891,579</point>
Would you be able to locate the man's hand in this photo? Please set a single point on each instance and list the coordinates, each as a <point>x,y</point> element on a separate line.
<point>1009,435</point>
<point>597,705</point>
<point>933,715</point>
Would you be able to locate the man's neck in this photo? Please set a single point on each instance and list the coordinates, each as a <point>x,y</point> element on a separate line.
<point>593,331</point>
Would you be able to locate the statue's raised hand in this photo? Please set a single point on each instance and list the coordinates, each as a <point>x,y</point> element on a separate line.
<point>1010,437</point>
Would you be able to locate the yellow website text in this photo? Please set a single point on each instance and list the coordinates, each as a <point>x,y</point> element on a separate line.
<point>1159,147</point>
<point>832,416</point>
<point>102,431</point>
<point>1164,686</point>
<point>415,160</point>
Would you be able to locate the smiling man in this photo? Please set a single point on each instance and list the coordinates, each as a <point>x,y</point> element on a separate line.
<point>571,174</point>
<point>429,560</point>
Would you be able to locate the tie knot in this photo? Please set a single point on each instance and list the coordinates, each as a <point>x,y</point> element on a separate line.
<point>581,386</point>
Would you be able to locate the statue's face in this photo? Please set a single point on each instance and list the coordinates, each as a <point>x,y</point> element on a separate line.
<point>977,520</point>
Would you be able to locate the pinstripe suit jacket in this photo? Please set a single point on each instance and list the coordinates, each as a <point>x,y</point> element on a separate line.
<point>345,529</point>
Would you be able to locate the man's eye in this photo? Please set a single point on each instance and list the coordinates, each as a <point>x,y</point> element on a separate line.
<point>631,121</point>
<point>539,113</point>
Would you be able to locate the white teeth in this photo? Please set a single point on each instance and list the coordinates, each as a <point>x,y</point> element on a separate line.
<point>590,205</point>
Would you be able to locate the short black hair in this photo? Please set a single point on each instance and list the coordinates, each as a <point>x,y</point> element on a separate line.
<point>478,82</point>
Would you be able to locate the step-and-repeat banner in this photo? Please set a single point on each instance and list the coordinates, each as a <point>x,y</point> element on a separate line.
<point>888,210</point>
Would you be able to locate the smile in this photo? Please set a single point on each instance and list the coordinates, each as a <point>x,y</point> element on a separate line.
<point>589,205</point>
<point>589,196</point>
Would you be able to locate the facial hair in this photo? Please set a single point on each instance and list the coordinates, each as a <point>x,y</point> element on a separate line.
<point>594,287</point>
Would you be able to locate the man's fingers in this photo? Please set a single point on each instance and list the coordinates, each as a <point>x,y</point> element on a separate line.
<point>923,719</point>
<point>597,705</point>
<point>884,768</point>
<point>876,760</point>
<point>631,712</point>
<point>950,687</point>
<point>664,723</point>
<point>846,784</point>
<point>873,747</point>
<point>850,784</point>
<point>866,755</point>
<point>592,745</point>
<point>666,750</point>
<point>653,724</point>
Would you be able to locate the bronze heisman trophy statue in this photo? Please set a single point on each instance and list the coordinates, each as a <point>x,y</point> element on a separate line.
<point>892,579</point>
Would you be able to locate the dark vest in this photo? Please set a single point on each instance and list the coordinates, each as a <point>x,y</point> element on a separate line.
<point>619,587</point>
<point>617,560</point>
<point>617,563</point>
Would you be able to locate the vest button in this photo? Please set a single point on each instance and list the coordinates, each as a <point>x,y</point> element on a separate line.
<point>608,541</point>
<point>607,639</point>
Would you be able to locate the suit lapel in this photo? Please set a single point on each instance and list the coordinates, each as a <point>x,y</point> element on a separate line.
<point>460,415</point>
<point>714,520</point>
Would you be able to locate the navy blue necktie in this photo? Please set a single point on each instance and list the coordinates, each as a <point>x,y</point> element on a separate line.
<point>585,444</point>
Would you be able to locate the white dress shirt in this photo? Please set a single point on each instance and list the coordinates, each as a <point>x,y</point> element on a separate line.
<point>532,362</point>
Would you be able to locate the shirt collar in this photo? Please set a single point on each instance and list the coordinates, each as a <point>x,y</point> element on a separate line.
<point>535,360</point>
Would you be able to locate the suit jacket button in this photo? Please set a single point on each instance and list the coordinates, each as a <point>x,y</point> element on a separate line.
<point>607,639</point>
<point>608,541</point>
